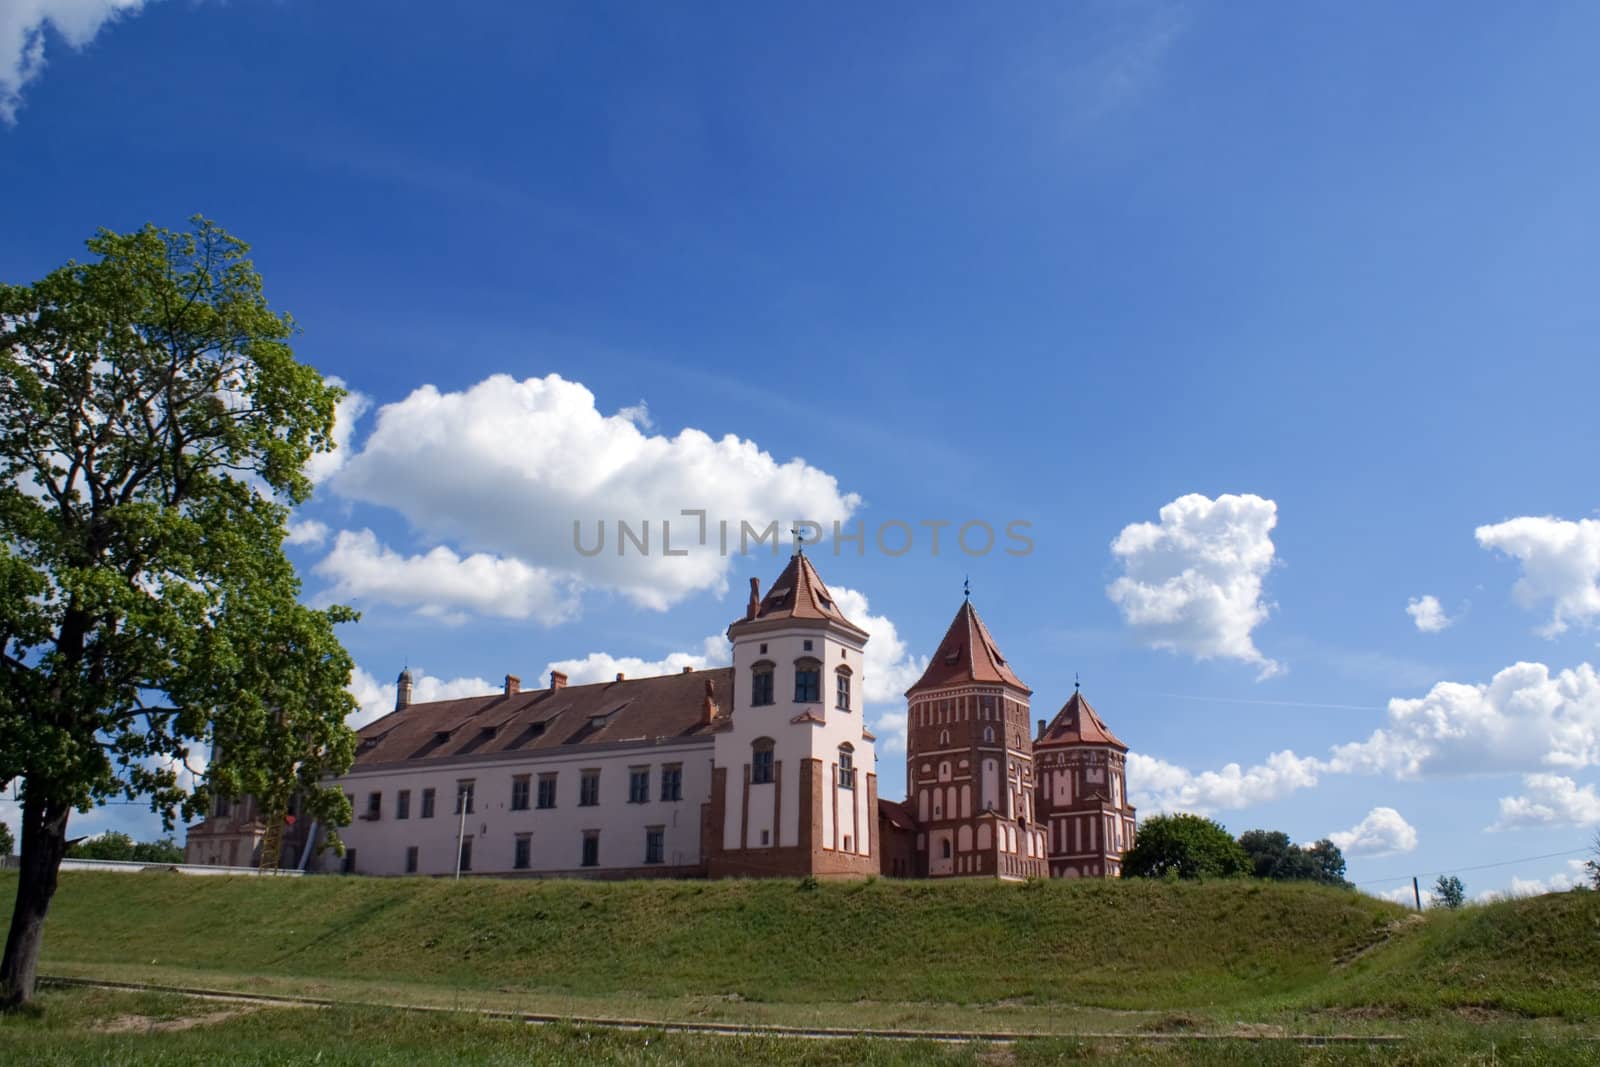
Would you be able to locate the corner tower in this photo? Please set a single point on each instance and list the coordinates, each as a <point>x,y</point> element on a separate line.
<point>969,760</point>
<point>794,785</point>
<point>1083,793</point>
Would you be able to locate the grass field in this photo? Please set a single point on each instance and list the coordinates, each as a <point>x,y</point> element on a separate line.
<point>1520,977</point>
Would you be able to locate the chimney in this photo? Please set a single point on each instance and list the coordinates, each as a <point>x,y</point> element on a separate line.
<point>1041,728</point>
<point>513,685</point>
<point>402,691</point>
<point>688,670</point>
<point>557,681</point>
<point>755,599</point>
<point>619,676</point>
<point>711,702</point>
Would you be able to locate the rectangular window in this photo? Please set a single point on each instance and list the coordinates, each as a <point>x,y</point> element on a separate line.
<point>519,792</point>
<point>221,808</point>
<point>547,790</point>
<point>766,838</point>
<point>638,785</point>
<point>524,852</point>
<point>672,781</point>
<point>807,685</point>
<point>374,805</point>
<point>402,804</point>
<point>464,789</point>
<point>847,771</point>
<point>427,803</point>
<point>761,766</point>
<point>591,848</point>
<point>411,860</point>
<point>842,692</point>
<point>654,844</point>
<point>761,688</point>
<point>847,842</point>
<point>466,853</point>
<point>349,861</point>
<point>589,789</point>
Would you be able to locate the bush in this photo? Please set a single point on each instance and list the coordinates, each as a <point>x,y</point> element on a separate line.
<point>1184,846</point>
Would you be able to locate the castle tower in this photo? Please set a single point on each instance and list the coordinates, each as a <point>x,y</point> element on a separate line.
<point>969,760</point>
<point>1083,793</point>
<point>794,783</point>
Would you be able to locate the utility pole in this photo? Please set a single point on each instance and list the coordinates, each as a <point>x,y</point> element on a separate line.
<point>461,827</point>
<point>1416,891</point>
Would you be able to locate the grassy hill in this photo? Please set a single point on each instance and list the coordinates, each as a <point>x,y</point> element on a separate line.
<point>1241,949</point>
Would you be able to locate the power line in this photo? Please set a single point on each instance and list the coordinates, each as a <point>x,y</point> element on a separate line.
<point>1477,867</point>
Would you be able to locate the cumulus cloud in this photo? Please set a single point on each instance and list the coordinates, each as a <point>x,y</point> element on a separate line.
<point>1525,720</point>
<point>527,471</point>
<point>1384,832</point>
<point>440,584</point>
<point>324,465</point>
<point>1574,875</point>
<point>1156,785</point>
<point>1192,582</point>
<point>1427,614</point>
<point>377,699</point>
<point>307,532</point>
<point>1560,566</point>
<point>22,38</point>
<point>1549,800</point>
<point>603,666</point>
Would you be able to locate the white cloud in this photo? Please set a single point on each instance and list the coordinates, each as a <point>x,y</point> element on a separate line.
<point>377,699</point>
<point>1157,785</point>
<point>1400,895</point>
<point>1192,583</point>
<point>1559,882</point>
<point>440,584</point>
<point>1560,566</point>
<point>308,532</point>
<point>324,465</point>
<point>1383,832</point>
<point>1549,800</point>
<point>22,38</point>
<point>1525,720</point>
<point>603,666</point>
<point>509,467</point>
<point>1427,614</point>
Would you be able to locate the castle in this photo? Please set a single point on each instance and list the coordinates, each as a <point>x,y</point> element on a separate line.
<point>764,768</point>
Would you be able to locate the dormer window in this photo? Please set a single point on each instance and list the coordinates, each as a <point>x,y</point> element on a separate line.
<point>807,681</point>
<point>953,655</point>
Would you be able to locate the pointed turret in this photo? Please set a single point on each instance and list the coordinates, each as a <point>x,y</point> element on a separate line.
<point>1077,723</point>
<point>797,594</point>
<point>967,654</point>
<point>1083,792</point>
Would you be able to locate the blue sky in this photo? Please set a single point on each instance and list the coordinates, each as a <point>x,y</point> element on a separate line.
<point>1321,280</point>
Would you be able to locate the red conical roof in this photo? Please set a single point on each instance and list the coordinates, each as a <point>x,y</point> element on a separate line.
<point>967,654</point>
<point>799,593</point>
<point>1078,724</point>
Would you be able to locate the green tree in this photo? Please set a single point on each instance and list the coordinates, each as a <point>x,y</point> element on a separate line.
<point>1183,846</point>
<point>8,843</point>
<point>111,845</point>
<point>1327,863</point>
<point>1272,855</point>
<point>1449,892</point>
<point>154,426</point>
<point>1593,865</point>
<point>164,850</point>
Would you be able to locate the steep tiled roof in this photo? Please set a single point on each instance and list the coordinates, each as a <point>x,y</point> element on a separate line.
<point>1078,724</point>
<point>967,654</point>
<point>546,720</point>
<point>896,814</point>
<point>797,593</point>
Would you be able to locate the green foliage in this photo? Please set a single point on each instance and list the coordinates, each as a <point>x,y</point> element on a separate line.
<point>115,845</point>
<point>154,426</point>
<point>7,843</point>
<point>1593,865</point>
<point>1449,892</point>
<point>1183,846</point>
<point>1272,855</point>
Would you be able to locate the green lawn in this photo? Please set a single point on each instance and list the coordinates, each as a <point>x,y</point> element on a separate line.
<point>1064,958</point>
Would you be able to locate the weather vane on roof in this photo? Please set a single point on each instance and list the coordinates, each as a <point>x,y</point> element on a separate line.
<point>966,587</point>
<point>799,539</point>
<point>1075,683</point>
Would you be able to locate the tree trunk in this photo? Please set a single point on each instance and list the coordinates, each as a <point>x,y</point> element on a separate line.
<point>44,844</point>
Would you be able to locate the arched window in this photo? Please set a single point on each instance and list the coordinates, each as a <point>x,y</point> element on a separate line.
<point>847,768</point>
<point>761,683</point>
<point>761,761</point>
<point>944,738</point>
<point>988,735</point>
<point>944,770</point>
<point>841,688</point>
<point>807,681</point>
<point>944,848</point>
